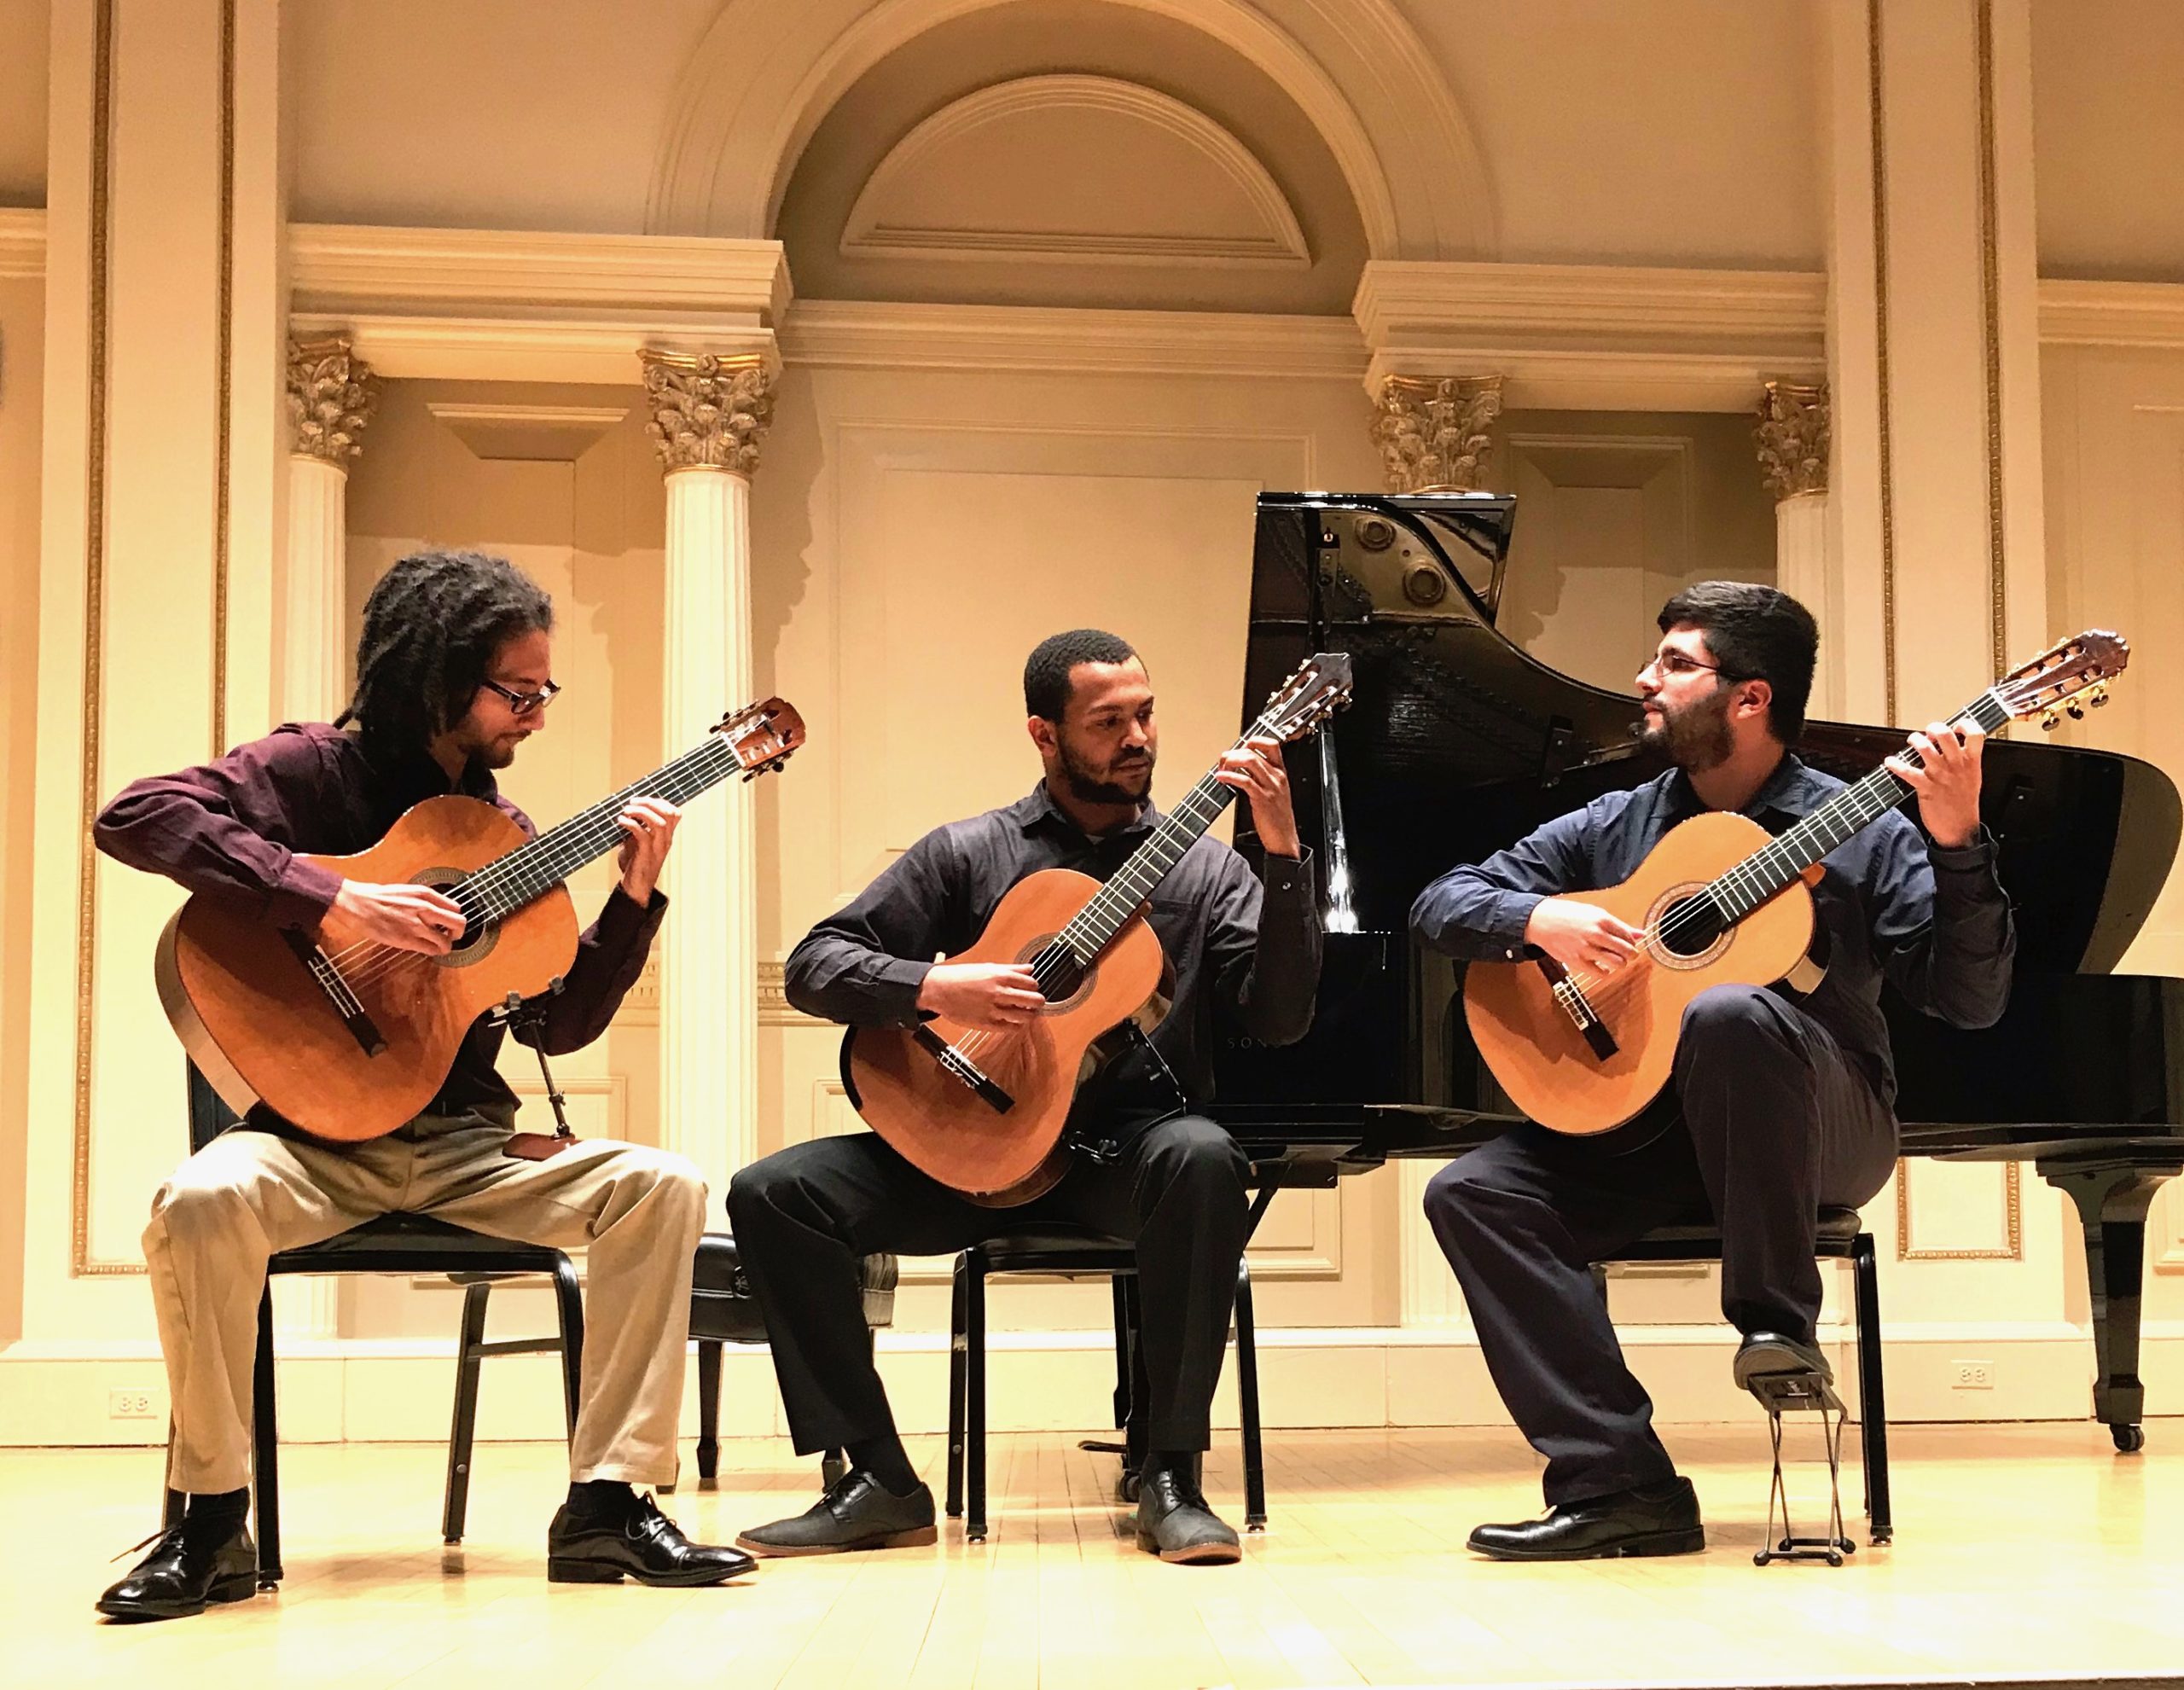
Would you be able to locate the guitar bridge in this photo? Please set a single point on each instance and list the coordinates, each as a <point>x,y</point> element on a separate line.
<point>959,1067</point>
<point>340,997</point>
<point>1579,1008</point>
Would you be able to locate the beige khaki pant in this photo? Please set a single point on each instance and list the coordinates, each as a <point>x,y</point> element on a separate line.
<point>248,1195</point>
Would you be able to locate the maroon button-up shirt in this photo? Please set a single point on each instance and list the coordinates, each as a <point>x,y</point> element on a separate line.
<point>238,829</point>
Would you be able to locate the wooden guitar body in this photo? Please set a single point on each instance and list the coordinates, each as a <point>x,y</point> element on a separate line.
<point>1538,1053</point>
<point>942,1128</point>
<point>243,1001</point>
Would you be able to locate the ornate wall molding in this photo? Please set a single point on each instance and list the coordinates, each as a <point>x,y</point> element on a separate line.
<point>1432,433</point>
<point>2112,313</point>
<point>774,1010</point>
<point>765,75</point>
<point>709,411</point>
<point>22,241</point>
<point>856,334</point>
<point>879,225</point>
<point>2011,1250</point>
<point>1792,432</point>
<point>332,394</point>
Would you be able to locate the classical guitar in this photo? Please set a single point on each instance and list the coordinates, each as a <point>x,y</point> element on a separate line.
<point>349,1041</point>
<point>1719,903</point>
<point>983,1111</point>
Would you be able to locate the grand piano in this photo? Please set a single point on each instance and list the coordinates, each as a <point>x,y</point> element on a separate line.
<point>1458,743</point>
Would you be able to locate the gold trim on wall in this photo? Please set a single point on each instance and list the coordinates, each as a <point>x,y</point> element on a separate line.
<point>775,1009</point>
<point>223,379</point>
<point>1880,358</point>
<point>1990,290</point>
<point>95,470</point>
<point>2013,1217</point>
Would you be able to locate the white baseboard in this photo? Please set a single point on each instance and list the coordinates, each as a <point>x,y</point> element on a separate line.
<point>403,1391</point>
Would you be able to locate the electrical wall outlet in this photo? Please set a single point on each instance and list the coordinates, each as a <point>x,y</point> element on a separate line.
<point>139,1403</point>
<point>1973,1375</point>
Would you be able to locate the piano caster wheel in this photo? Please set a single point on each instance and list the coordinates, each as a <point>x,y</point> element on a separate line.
<point>1881,1538</point>
<point>2129,1439</point>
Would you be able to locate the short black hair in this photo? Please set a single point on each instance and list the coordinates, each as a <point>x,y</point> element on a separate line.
<point>432,627</point>
<point>1756,633</point>
<point>1046,671</point>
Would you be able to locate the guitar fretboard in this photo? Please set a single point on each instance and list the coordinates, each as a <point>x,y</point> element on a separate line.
<point>1744,888</point>
<point>508,883</point>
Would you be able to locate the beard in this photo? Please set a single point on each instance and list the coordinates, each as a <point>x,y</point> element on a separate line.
<point>1125,782</point>
<point>1695,738</point>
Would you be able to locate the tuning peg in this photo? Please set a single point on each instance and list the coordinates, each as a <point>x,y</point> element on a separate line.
<point>2050,720</point>
<point>2076,711</point>
<point>2100,695</point>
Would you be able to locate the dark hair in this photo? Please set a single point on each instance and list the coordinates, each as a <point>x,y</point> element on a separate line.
<point>431,628</point>
<point>1756,633</point>
<point>1046,671</point>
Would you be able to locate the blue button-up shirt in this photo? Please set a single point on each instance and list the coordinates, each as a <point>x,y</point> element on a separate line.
<point>1890,905</point>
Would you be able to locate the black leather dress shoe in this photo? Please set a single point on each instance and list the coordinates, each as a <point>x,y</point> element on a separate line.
<point>1174,1522</point>
<point>188,1566</point>
<point>858,1512</point>
<point>1655,1519</point>
<point>641,1543</point>
<point>1764,1353</point>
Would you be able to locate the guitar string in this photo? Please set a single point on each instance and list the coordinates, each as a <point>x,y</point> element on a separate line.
<point>1852,809</point>
<point>511,881</point>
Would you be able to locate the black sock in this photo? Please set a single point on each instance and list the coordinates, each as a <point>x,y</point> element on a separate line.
<point>218,1511</point>
<point>1183,1463</point>
<point>886,1460</point>
<point>602,1498</point>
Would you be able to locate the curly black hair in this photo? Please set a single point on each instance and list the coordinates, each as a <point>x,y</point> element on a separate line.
<point>432,627</point>
<point>1046,671</point>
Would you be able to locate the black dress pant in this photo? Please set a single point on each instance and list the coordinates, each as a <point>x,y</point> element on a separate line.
<point>1766,1121</point>
<point>803,1217</point>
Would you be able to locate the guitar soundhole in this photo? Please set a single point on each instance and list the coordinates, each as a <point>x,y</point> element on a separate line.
<point>479,937</point>
<point>1062,979</point>
<point>1689,928</point>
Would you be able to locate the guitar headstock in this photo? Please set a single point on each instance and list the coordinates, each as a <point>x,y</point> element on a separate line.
<point>1320,686</point>
<point>2066,678</point>
<point>761,735</point>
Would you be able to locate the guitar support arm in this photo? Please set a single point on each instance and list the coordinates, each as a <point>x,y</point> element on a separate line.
<point>519,1014</point>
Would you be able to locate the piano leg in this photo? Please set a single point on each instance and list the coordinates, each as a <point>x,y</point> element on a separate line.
<point>2112,1198</point>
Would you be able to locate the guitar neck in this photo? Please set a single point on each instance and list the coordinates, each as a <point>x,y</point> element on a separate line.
<point>1768,870</point>
<point>1091,929</point>
<point>508,883</point>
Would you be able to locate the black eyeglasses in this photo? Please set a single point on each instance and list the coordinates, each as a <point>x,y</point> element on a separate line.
<point>1675,663</point>
<point>523,704</point>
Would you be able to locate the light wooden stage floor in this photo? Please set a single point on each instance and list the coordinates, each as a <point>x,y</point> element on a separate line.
<point>2022,1553</point>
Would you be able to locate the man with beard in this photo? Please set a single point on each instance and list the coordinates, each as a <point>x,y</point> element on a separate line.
<point>1244,950</point>
<point>1780,1101</point>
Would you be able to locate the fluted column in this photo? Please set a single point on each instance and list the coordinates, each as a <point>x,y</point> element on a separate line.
<point>1433,431</point>
<point>331,395</point>
<point>1434,435</point>
<point>709,416</point>
<point>1792,434</point>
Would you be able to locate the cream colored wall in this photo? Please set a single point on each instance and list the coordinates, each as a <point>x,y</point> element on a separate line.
<point>2109,138</point>
<point>579,508</point>
<point>21,379</point>
<point>917,534</point>
<point>25,46</point>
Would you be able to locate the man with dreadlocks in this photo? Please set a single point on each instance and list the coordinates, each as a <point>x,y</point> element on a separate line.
<point>453,673</point>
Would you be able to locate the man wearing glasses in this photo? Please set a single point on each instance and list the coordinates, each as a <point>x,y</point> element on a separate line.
<point>1781,1100</point>
<point>452,675</point>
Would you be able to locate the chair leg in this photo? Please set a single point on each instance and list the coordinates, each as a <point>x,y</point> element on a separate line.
<point>569,1296</point>
<point>975,1393</point>
<point>1247,1392</point>
<point>955,1384</point>
<point>266,1448</point>
<point>708,1409</point>
<point>462,1436</point>
<point>1116,1283</point>
<point>1873,1406</point>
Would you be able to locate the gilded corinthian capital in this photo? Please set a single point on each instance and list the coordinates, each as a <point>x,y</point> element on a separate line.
<point>331,394</point>
<point>1431,433</point>
<point>709,411</point>
<point>1792,436</point>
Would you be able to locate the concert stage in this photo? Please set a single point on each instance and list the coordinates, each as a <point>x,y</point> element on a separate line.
<point>2022,1554</point>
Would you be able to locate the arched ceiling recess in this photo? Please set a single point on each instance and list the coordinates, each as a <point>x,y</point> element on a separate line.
<point>767,73</point>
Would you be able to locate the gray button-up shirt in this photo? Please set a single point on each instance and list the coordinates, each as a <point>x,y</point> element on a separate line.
<point>1242,949</point>
<point>1934,922</point>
